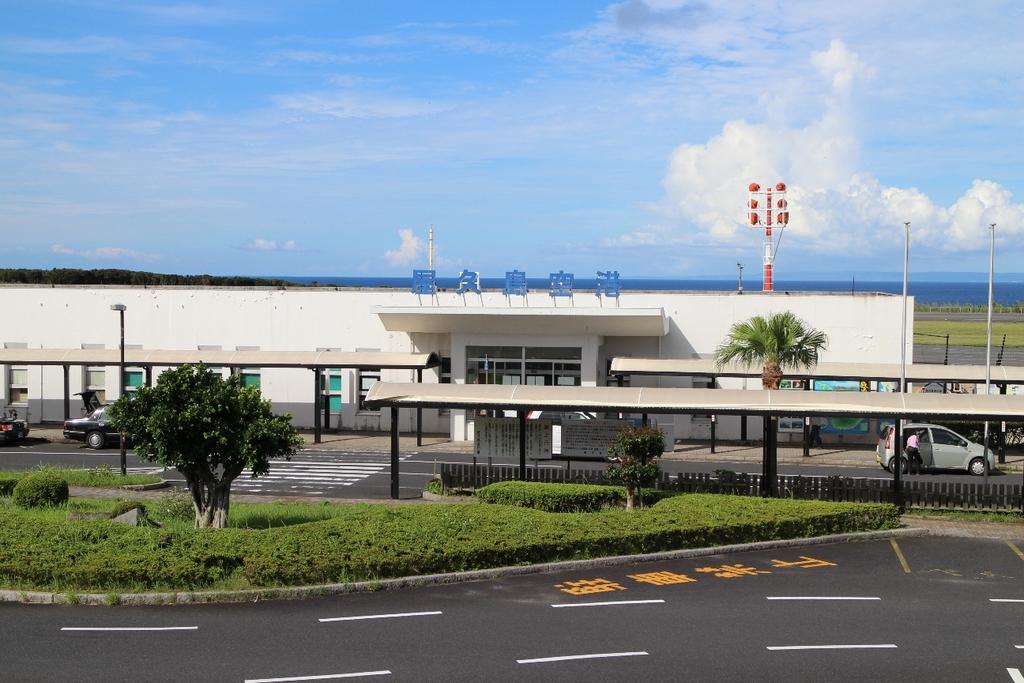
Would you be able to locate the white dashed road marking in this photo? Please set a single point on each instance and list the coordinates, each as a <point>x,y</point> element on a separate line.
<point>886,646</point>
<point>1015,675</point>
<point>606,604</point>
<point>396,615</point>
<point>818,597</point>
<point>322,677</point>
<point>566,658</point>
<point>130,628</point>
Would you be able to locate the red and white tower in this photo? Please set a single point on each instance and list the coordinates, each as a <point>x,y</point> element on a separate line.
<point>765,208</point>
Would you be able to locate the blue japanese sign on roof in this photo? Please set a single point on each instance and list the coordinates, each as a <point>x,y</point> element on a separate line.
<point>607,283</point>
<point>469,281</point>
<point>562,283</point>
<point>424,282</point>
<point>515,283</point>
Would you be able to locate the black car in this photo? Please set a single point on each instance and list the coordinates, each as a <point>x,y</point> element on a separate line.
<point>12,428</point>
<point>93,428</point>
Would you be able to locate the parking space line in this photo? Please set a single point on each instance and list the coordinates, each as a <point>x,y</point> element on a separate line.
<point>323,677</point>
<point>607,603</point>
<point>1015,549</point>
<point>1005,600</point>
<point>1015,675</point>
<point>395,615</point>
<point>899,556</point>
<point>883,646</point>
<point>566,658</point>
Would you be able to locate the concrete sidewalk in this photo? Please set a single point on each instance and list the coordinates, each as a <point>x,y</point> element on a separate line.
<point>725,451</point>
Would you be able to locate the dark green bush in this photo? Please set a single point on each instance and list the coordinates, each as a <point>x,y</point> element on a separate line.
<point>368,542</point>
<point>43,488</point>
<point>552,497</point>
<point>7,486</point>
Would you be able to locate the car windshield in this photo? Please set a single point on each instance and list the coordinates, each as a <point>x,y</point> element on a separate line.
<point>97,414</point>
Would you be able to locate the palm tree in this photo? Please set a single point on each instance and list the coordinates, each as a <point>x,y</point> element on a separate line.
<point>780,340</point>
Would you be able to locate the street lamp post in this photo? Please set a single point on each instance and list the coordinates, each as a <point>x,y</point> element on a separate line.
<point>121,308</point>
<point>988,338</point>
<point>898,447</point>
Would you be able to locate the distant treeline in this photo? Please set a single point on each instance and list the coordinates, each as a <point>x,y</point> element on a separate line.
<point>114,276</point>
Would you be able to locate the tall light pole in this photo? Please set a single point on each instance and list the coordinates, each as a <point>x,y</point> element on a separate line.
<point>903,323</point>
<point>739,277</point>
<point>121,308</point>
<point>988,337</point>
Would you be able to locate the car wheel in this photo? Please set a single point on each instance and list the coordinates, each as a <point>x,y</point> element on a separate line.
<point>95,440</point>
<point>976,467</point>
<point>903,465</point>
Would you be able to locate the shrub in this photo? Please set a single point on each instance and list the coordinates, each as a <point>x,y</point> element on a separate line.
<point>7,485</point>
<point>551,497</point>
<point>636,448</point>
<point>174,505</point>
<point>44,488</point>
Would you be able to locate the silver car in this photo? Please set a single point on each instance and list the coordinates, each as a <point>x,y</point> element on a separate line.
<point>940,448</point>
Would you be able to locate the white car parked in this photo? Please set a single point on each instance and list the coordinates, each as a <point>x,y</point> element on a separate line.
<point>940,448</point>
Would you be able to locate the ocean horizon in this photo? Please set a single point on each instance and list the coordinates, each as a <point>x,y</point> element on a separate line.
<point>930,292</point>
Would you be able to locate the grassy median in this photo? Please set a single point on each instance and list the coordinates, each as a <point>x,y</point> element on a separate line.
<point>43,551</point>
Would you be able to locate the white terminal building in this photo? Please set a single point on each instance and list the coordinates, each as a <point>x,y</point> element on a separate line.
<point>488,338</point>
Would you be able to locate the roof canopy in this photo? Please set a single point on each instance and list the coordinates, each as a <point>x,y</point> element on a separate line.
<point>261,359</point>
<point>611,321</point>
<point>696,401</point>
<point>705,367</point>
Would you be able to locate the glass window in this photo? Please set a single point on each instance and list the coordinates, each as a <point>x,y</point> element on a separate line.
<point>133,379</point>
<point>19,377</point>
<point>96,377</point>
<point>331,383</point>
<point>943,437</point>
<point>367,378</point>
<point>543,366</point>
<point>250,377</point>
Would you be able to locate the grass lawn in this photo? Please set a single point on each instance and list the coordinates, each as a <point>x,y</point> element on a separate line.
<point>306,544</point>
<point>968,332</point>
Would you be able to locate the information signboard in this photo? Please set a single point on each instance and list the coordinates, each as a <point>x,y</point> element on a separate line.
<point>589,438</point>
<point>498,437</point>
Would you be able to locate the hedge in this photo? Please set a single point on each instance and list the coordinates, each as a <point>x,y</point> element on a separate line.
<point>44,488</point>
<point>7,485</point>
<point>367,542</point>
<point>552,497</point>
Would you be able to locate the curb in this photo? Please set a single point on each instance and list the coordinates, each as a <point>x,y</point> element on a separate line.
<point>329,589</point>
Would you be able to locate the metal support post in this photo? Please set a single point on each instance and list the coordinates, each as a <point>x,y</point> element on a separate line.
<point>522,445</point>
<point>419,412</point>
<point>67,391</point>
<point>149,375</point>
<point>807,437</point>
<point>897,463</point>
<point>394,452</point>
<point>714,421</point>
<point>316,405</point>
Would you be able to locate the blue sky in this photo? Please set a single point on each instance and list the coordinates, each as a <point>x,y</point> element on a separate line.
<point>322,138</point>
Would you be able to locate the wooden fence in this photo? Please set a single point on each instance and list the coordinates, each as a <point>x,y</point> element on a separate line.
<point>916,493</point>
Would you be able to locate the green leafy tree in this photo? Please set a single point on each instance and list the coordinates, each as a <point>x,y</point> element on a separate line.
<point>776,342</point>
<point>210,429</point>
<point>636,448</point>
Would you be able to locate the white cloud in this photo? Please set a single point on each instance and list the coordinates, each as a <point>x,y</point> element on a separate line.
<point>104,253</point>
<point>260,244</point>
<point>408,252</point>
<point>347,105</point>
<point>835,205</point>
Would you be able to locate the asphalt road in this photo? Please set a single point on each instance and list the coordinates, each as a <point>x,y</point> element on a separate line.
<point>922,609</point>
<point>338,474</point>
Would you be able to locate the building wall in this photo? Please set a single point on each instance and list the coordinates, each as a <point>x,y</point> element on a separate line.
<point>861,327</point>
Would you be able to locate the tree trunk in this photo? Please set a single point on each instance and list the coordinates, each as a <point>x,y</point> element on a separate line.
<point>211,501</point>
<point>630,495</point>
<point>771,375</point>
